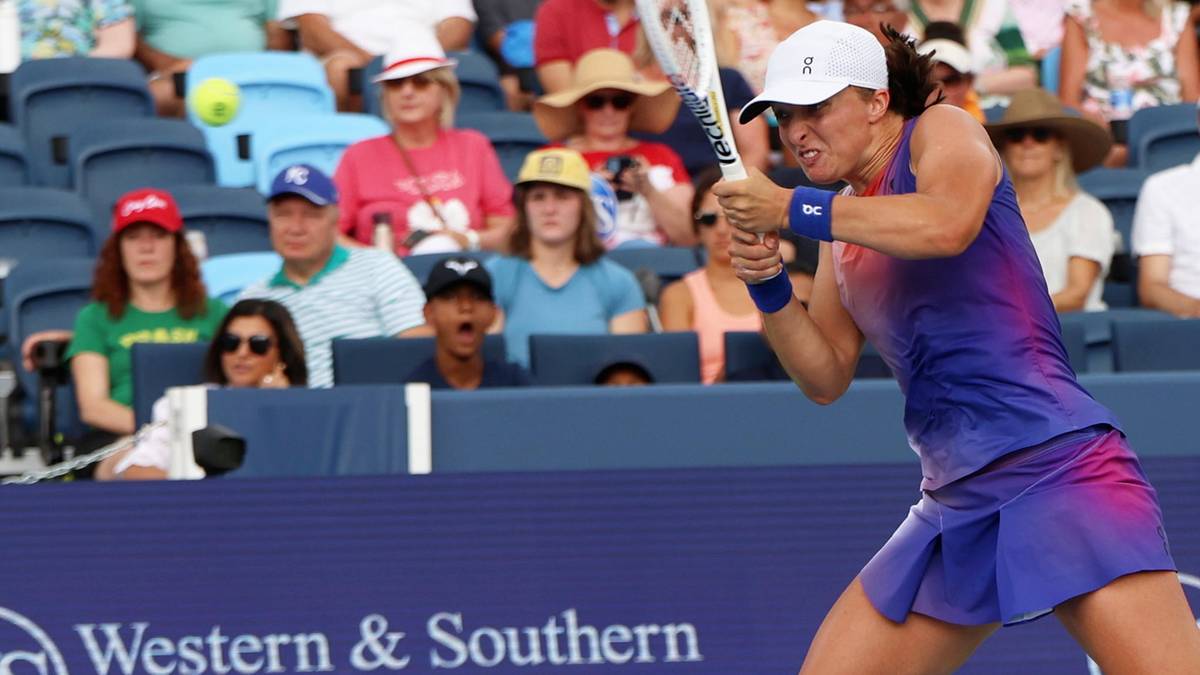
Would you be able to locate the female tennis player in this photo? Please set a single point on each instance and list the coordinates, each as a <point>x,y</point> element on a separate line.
<point>1032,501</point>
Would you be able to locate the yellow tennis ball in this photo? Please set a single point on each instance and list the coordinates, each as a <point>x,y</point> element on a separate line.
<point>215,101</point>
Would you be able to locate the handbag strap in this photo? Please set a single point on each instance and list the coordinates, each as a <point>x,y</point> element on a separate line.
<point>420,180</point>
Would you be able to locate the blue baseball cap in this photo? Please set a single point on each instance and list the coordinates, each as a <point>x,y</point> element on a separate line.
<point>307,181</point>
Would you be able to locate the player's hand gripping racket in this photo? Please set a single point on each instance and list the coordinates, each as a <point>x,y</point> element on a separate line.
<point>681,38</point>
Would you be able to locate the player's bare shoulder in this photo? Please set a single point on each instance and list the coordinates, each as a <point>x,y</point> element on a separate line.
<point>946,128</point>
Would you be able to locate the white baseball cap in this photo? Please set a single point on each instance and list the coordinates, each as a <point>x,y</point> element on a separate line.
<point>948,52</point>
<point>817,62</point>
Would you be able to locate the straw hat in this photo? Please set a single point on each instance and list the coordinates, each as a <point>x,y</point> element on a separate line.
<point>653,111</point>
<point>1088,142</point>
<point>416,51</point>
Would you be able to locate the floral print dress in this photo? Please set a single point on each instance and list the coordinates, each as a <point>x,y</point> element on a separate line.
<point>51,28</point>
<point>1149,69</point>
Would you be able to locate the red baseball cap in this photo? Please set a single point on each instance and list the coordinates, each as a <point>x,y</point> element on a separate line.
<point>147,205</point>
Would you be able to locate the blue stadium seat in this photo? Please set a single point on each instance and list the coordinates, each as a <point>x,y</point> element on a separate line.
<point>1118,189</point>
<point>45,296</point>
<point>112,157</point>
<point>1142,344</point>
<point>319,140</point>
<point>14,162</point>
<point>748,358</point>
<point>274,86</point>
<point>668,262</point>
<point>420,265</point>
<point>480,83</point>
<point>43,222</point>
<point>233,220</point>
<point>386,360</point>
<point>1163,136</point>
<point>370,90</point>
<point>158,367</point>
<point>226,275</point>
<point>50,98</point>
<point>513,134</point>
<point>577,359</point>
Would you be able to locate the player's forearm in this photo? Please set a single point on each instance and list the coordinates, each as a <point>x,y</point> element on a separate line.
<point>910,226</point>
<point>807,356</point>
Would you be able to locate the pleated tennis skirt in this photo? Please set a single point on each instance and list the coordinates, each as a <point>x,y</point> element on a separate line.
<point>1026,533</point>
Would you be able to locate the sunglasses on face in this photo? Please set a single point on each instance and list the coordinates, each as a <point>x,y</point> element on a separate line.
<point>418,82</point>
<point>952,80</point>
<point>259,344</point>
<point>598,101</point>
<point>1039,134</point>
<point>707,218</point>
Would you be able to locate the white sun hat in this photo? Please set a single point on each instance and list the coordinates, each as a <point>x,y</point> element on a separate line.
<point>416,51</point>
<point>818,61</point>
<point>948,52</point>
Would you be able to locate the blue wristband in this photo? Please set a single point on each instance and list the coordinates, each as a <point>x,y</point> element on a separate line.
<point>810,213</point>
<point>772,295</point>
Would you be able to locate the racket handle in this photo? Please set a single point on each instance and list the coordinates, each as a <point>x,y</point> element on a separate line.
<point>734,170</point>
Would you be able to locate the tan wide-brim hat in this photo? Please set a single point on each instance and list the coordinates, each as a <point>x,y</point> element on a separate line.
<point>653,111</point>
<point>1088,142</point>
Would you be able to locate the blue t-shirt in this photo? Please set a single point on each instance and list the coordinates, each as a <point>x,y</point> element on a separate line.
<point>495,374</point>
<point>583,306</point>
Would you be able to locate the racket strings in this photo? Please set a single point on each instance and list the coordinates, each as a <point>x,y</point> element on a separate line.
<point>676,22</point>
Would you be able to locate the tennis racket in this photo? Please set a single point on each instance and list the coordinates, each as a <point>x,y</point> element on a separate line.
<point>680,35</point>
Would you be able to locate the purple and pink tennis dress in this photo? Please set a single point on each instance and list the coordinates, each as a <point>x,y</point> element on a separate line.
<point>1031,495</point>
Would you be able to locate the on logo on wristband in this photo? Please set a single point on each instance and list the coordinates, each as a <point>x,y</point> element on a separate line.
<point>811,210</point>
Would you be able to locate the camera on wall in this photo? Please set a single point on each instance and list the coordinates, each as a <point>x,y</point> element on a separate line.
<point>616,165</point>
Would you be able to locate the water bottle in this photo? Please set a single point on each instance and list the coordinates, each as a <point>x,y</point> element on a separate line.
<point>10,36</point>
<point>385,239</point>
<point>1120,97</point>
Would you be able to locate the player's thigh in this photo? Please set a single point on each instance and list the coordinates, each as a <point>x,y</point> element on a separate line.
<point>1140,623</point>
<point>855,639</point>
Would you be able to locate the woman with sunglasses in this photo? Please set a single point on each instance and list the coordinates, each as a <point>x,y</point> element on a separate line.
<point>1044,148</point>
<point>1032,502</point>
<point>256,346</point>
<point>711,300</point>
<point>606,100</point>
<point>437,188</point>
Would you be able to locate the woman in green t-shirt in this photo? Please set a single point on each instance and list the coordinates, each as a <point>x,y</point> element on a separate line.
<point>147,288</point>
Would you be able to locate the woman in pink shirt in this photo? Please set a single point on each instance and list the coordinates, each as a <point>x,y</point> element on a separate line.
<point>440,188</point>
<point>710,300</point>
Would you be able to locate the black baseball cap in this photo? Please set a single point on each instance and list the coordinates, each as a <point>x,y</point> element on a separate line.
<point>457,270</point>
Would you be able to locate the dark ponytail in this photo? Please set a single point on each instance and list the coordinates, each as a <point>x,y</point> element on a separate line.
<point>910,75</point>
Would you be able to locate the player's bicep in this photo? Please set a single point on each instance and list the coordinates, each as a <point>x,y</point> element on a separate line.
<point>957,166</point>
<point>826,309</point>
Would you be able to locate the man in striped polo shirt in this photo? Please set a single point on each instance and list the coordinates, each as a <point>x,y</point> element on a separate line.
<point>332,292</point>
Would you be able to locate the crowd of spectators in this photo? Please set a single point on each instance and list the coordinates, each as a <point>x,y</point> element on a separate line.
<point>583,71</point>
